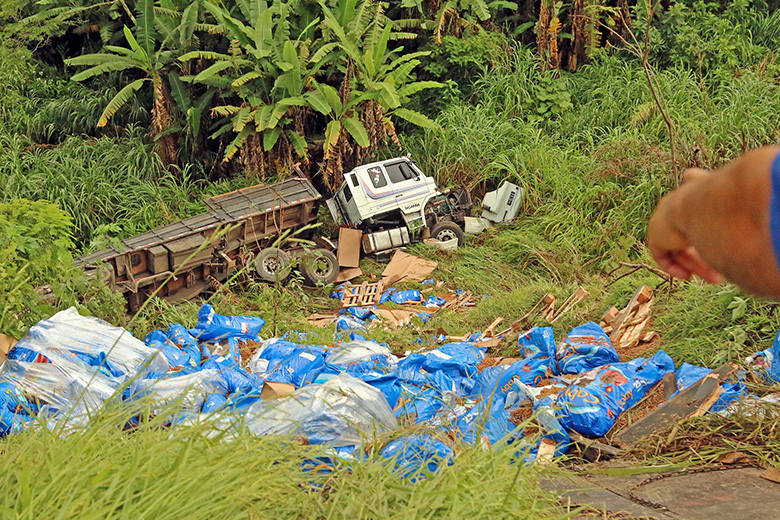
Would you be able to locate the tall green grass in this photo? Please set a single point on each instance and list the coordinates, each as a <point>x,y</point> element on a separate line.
<point>102,471</point>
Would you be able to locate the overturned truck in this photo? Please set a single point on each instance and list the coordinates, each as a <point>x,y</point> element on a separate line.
<point>392,202</point>
<point>183,259</point>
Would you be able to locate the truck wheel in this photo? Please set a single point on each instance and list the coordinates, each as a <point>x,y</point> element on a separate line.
<point>272,264</point>
<point>319,265</point>
<point>447,230</point>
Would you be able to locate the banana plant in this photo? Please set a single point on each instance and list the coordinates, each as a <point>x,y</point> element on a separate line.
<point>384,75</point>
<point>268,73</point>
<point>149,52</point>
<point>342,115</point>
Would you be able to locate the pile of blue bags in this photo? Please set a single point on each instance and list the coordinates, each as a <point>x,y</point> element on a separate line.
<point>339,395</point>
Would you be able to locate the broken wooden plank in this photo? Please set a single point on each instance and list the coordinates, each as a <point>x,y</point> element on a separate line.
<point>683,405</point>
<point>632,335</point>
<point>609,316</point>
<point>592,449</point>
<point>576,297</point>
<point>545,301</point>
<point>462,300</point>
<point>641,295</point>
<point>488,333</point>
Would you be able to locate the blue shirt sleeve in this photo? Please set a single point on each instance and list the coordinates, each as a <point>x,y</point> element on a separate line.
<point>774,209</point>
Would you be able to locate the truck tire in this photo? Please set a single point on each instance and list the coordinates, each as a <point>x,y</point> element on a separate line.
<point>317,266</point>
<point>272,264</point>
<point>447,230</point>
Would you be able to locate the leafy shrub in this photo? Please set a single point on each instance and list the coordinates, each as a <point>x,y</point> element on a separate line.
<point>35,238</point>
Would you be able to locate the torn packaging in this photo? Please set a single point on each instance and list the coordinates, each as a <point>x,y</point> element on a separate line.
<point>695,399</point>
<point>591,405</point>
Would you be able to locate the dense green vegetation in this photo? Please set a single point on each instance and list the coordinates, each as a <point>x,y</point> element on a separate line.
<point>124,115</point>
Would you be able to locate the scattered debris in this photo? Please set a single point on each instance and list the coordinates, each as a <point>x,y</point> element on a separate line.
<point>576,297</point>
<point>347,274</point>
<point>463,299</point>
<point>349,247</point>
<point>445,245</point>
<point>363,295</point>
<point>626,327</point>
<point>406,267</point>
<point>694,400</point>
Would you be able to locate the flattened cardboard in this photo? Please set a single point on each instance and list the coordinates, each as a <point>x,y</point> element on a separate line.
<point>395,317</point>
<point>349,273</point>
<point>404,266</point>
<point>321,320</point>
<point>272,389</point>
<point>349,247</point>
<point>6,344</point>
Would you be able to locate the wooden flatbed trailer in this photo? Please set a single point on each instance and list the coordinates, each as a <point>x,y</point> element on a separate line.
<point>184,258</point>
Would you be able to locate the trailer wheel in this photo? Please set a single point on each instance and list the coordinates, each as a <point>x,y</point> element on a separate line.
<point>447,230</point>
<point>272,264</point>
<point>319,265</point>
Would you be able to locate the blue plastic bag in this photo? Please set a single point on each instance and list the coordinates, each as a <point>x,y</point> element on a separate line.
<point>455,359</point>
<point>487,421</point>
<point>767,363</point>
<point>299,369</point>
<point>212,326</point>
<point>486,382</point>
<point>539,341</point>
<point>360,313</point>
<point>385,383</point>
<point>213,402</point>
<point>179,335</point>
<point>350,323</point>
<point>585,347</point>
<point>176,357</point>
<point>591,405</point>
<point>407,297</point>
<point>387,294</point>
<point>14,408</point>
<point>422,404</point>
<point>410,368</point>
<point>503,378</point>
<point>418,456</point>
<point>434,301</point>
<point>688,374</point>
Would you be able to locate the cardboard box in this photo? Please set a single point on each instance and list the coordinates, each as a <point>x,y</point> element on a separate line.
<point>272,390</point>
<point>349,247</point>
<point>6,344</point>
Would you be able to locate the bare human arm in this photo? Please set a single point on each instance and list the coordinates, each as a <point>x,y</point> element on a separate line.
<point>716,225</point>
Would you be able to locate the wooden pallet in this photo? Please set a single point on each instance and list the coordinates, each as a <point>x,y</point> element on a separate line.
<point>362,295</point>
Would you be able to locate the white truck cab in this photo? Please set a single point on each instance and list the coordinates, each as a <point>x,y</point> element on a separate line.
<point>393,200</point>
<point>375,189</point>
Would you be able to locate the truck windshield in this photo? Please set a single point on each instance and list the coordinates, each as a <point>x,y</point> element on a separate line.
<point>400,172</point>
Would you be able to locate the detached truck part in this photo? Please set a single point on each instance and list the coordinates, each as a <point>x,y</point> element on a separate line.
<point>394,203</point>
<point>183,259</point>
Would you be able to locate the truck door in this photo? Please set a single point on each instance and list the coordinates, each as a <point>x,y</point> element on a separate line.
<point>408,186</point>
